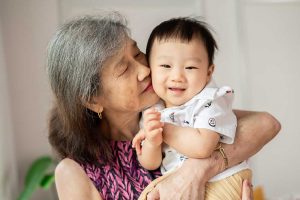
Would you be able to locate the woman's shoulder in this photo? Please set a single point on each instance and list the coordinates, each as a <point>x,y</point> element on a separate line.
<point>67,163</point>
<point>72,181</point>
<point>68,168</point>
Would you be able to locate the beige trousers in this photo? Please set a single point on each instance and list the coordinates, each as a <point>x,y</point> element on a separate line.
<point>229,188</point>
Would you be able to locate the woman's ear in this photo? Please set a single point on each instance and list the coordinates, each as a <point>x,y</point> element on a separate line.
<point>210,71</point>
<point>95,105</point>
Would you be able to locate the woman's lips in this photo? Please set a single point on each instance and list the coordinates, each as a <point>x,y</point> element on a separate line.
<point>149,87</point>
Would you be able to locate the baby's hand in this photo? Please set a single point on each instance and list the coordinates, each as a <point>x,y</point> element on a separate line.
<point>153,128</point>
<point>137,140</point>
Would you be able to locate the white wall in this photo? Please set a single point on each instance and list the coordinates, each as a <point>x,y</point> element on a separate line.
<point>8,168</point>
<point>26,29</point>
<point>142,15</point>
<point>259,56</point>
<point>223,16</point>
<point>272,33</point>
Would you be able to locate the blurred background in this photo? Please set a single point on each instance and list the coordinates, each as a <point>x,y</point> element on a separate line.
<point>259,56</point>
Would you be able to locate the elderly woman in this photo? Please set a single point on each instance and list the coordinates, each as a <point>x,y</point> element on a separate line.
<point>101,83</point>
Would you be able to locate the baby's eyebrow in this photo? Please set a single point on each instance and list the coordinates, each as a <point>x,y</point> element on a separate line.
<point>164,57</point>
<point>195,59</point>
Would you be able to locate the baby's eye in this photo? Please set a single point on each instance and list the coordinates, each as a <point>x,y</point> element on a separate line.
<point>191,67</point>
<point>166,66</point>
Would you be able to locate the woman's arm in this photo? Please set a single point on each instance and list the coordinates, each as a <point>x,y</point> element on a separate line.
<point>254,130</point>
<point>72,182</point>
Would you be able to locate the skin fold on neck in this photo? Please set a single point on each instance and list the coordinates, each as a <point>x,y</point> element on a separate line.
<point>122,126</point>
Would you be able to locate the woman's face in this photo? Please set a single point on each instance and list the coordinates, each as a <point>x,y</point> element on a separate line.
<point>126,81</point>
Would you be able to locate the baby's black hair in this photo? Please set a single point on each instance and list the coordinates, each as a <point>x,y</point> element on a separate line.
<point>184,29</point>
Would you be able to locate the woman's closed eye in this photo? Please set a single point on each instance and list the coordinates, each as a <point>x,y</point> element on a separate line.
<point>123,69</point>
<point>138,55</point>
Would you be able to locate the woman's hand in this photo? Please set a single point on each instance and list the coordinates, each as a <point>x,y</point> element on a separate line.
<point>188,181</point>
<point>247,193</point>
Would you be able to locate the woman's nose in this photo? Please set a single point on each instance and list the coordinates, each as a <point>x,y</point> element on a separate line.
<point>144,71</point>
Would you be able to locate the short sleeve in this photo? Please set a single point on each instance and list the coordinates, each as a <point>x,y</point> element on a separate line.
<point>217,115</point>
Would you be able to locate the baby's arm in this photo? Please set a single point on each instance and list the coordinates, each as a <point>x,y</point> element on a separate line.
<point>150,156</point>
<point>211,120</point>
<point>191,142</point>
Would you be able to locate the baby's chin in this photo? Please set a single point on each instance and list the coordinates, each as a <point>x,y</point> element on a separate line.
<point>177,101</point>
<point>169,104</point>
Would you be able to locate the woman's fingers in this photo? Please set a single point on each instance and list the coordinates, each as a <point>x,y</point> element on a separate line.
<point>247,193</point>
<point>153,195</point>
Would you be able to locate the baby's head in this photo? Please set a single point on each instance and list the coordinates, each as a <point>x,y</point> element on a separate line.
<point>180,52</point>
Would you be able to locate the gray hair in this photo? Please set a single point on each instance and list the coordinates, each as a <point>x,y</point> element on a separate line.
<point>77,52</point>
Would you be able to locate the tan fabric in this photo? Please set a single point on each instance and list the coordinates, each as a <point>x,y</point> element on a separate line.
<point>229,188</point>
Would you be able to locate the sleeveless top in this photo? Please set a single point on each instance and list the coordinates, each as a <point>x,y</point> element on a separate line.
<point>123,178</point>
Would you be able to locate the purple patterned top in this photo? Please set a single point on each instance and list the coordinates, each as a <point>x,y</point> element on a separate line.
<point>124,178</point>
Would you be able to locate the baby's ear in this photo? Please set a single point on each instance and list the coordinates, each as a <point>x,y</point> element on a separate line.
<point>210,71</point>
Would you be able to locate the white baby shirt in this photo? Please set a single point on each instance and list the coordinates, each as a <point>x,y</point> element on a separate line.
<point>209,109</point>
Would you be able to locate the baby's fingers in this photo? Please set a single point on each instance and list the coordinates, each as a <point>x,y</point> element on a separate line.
<point>155,133</point>
<point>138,148</point>
<point>151,114</point>
<point>153,125</point>
<point>136,143</point>
<point>151,110</point>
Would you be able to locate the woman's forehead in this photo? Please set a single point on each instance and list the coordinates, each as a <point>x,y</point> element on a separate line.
<point>119,58</point>
<point>129,46</point>
<point>130,43</point>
